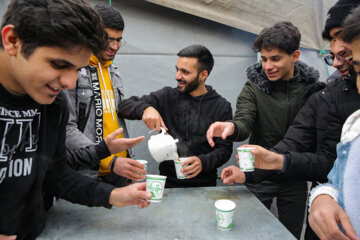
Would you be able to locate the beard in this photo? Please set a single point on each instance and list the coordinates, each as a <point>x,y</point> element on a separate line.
<point>190,86</point>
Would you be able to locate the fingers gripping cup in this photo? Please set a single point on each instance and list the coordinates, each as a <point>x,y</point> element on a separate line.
<point>224,213</point>
<point>178,167</point>
<point>143,162</point>
<point>155,184</point>
<point>246,159</point>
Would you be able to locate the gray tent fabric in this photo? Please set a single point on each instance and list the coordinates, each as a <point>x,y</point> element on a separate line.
<point>253,15</point>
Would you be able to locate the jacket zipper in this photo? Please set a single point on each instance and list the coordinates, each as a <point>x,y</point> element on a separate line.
<point>287,108</point>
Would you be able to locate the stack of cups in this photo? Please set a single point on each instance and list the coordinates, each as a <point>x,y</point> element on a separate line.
<point>155,184</point>
<point>246,159</point>
<point>224,213</point>
<point>178,167</point>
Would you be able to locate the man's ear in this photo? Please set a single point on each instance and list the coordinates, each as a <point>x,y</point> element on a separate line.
<point>203,75</point>
<point>10,41</point>
<point>295,56</point>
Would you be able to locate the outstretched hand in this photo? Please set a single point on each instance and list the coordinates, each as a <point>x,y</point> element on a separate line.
<point>325,216</point>
<point>134,194</point>
<point>219,129</point>
<point>152,118</point>
<point>116,145</point>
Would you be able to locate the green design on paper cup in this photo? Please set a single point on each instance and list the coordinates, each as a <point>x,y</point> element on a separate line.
<point>246,159</point>
<point>220,218</point>
<point>179,174</point>
<point>155,185</point>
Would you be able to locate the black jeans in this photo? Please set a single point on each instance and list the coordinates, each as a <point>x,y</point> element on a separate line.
<point>291,196</point>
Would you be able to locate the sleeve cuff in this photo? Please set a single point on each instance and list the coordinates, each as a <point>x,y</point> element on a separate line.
<point>323,189</point>
<point>248,177</point>
<point>233,137</point>
<point>284,163</point>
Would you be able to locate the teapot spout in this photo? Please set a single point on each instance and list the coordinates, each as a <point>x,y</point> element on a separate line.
<point>174,156</point>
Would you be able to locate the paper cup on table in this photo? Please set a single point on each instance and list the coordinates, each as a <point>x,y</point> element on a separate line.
<point>246,159</point>
<point>155,184</point>
<point>143,162</point>
<point>178,167</point>
<point>224,213</point>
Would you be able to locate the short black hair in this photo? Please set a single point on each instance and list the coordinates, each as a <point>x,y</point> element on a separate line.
<point>204,56</point>
<point>352,26</point>
<point>111,17</point>
<point>282,35</point>
<point>60,23</point>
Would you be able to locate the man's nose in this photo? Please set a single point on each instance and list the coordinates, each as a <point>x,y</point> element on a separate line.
<point>68,79</point>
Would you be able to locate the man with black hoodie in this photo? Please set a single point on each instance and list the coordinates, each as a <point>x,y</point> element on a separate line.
<point>268,103</point>
<point>188,111</point>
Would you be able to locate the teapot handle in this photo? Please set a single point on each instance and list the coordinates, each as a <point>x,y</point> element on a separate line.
<point>163,131</point>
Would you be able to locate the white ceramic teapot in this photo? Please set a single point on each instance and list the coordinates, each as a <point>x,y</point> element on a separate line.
<point>163,146</point>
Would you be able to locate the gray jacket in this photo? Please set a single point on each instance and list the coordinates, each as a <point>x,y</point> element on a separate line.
<point>81,102</point>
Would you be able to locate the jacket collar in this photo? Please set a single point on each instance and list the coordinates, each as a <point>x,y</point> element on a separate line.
<point>94,62</point>
<point>351,128</point>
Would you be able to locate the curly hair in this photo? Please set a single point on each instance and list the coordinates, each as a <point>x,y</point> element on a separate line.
<point>282,35</point>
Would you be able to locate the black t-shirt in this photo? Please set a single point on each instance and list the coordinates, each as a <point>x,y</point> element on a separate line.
<point>19,138</point>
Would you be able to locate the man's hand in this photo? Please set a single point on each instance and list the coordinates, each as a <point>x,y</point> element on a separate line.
<point>116,145</point>
<point>153,119</point>
<point>325,215</point>
<point>219,129</point>
<point>194,167</point>
<point>232,174</point>
<point>129,168</point>
<point>134,194</point>
<point>265,159</point>
<point>4,237</point>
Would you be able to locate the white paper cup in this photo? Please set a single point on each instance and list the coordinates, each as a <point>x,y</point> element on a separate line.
<point>246,159</point>
<point>143,162</point>
<point>224,213</point>
<point>178,167</point>
<point>155,184</point>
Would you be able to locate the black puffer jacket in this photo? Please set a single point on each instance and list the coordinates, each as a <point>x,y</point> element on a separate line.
<point>310,143</point>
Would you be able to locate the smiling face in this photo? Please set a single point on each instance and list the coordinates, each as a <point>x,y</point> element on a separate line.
<point>48,71</point>
<point>114,44</point>
<point>277,64</point>
<point>189,79</point>
<point>340,49</point>
<point>44,73</point>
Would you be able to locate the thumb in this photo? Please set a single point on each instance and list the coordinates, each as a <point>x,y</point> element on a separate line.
<point>347,226</point>
<point>115,133</point>
<point>163,124</point>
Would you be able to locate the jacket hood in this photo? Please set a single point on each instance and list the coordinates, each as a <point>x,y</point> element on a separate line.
<point>256,75</point>
<point>351,128</point>
<point>211,93</point>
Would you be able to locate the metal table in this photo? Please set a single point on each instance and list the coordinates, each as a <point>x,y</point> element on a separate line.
<point>184,213</point>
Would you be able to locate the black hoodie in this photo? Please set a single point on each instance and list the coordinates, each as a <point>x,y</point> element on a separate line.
<point>188,119</point>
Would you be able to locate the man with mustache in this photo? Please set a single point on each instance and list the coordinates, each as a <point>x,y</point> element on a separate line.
<point>187,112</point>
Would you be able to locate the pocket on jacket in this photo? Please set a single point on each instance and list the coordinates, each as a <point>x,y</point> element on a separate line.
<point>84,95</point>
